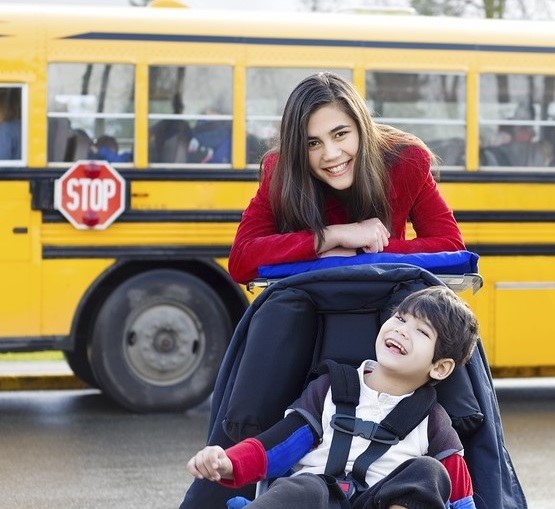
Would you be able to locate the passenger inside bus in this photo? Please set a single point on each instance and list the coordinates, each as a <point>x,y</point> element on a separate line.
<point>107,148</point>
<point>215,137</point>
<point>520,145</point>
<point>169,138</point>
<point>66,144</point>
<point>256,148</point>
<point>450,151</point>
<point>522,148</point>
<point>78,145</point>
<point>10,123</point>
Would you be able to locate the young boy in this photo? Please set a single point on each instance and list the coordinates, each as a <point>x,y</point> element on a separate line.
<point>431,333</point>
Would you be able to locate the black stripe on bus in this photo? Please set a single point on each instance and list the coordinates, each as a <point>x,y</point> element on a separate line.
<point>504,216</point>
<point>512,249</point>
<point>184,252</point>
<point>234,216</point>
<point>523,176</point>
<point>162,175</point>
<point>193,175</point>
<point>138,252</point>
<point>283,41</point>
<point>34,343</point>
<point>250,175</point>
<point>162,216</point>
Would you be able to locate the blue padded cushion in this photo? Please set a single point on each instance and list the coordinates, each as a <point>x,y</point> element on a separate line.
<point>446,262</point>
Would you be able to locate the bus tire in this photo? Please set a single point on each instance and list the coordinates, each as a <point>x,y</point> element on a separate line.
<point>78,362</point>
<point>158,341</point>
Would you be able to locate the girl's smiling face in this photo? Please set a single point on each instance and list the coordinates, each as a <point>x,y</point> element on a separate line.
<point>333,142</point>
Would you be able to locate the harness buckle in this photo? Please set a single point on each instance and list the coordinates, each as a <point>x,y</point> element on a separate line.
<point>347,487</point>
<point>369,430</point>
<point>351,487</point>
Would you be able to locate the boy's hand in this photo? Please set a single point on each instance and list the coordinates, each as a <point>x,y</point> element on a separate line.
<point>211,463</point>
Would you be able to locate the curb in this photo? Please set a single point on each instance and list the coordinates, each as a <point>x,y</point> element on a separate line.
<point>40,382</point>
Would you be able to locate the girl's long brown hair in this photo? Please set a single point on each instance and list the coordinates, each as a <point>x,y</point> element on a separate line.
<point>297,198</point>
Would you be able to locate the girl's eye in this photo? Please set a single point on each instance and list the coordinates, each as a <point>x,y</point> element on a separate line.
<point>312,144</point>
<point>400,318</point>
<point>340,134</point>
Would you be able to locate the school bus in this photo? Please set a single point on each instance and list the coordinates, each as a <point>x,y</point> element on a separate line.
<point>181,103</point>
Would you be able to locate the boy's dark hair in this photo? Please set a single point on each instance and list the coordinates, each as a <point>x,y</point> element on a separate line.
<point>450,316</point>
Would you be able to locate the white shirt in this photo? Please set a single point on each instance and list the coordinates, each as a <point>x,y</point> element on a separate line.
<point>373,406</point>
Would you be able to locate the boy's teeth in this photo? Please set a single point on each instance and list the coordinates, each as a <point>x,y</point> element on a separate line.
<point>393,344</point>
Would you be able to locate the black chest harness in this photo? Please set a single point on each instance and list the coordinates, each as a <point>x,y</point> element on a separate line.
<point>345,389</point>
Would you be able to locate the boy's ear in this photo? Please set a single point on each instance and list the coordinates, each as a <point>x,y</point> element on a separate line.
<point>442,368</point>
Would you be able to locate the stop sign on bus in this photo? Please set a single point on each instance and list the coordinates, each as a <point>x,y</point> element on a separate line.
<point>91,195</point>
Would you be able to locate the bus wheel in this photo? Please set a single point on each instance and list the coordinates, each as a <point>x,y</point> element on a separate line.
<point>158,341</point>
<point>78,361</point>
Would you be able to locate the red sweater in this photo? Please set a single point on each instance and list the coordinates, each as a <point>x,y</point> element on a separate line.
<point>413,195</point>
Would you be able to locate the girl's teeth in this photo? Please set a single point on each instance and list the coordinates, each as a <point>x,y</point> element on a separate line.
<point>337,169</point>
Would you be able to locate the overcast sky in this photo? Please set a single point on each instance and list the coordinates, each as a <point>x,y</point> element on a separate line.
<point>244,4</point>
<point>272,5</point>
<point>282,5</point>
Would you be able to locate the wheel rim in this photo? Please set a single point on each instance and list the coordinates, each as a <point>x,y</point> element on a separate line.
<point>164,344</point>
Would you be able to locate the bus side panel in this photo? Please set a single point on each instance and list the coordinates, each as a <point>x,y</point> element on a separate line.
<point>18,272</point>
<point>65,281</point>
<point>526,334</point>
<point>518,301</point>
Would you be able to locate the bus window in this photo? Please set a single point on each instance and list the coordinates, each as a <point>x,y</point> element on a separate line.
<point>430,105</point>
<point>190,114</point>
<point>90,112</point>
<point>517,120</point>
<point>267,92</point>
<point>10,125</point>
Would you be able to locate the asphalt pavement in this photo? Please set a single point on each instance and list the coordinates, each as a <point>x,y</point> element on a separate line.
<point>527,406</point>
<point>57,375</point>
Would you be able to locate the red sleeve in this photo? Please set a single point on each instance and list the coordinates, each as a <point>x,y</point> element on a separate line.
<point>257,241</point>
<point>249,461</point>
<point>415,197</point>
<point>461,484</point>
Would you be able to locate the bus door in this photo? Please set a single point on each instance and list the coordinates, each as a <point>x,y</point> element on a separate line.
<point>16,272</point>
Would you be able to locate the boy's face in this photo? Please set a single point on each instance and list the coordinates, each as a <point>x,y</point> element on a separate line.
<point>405,345</point>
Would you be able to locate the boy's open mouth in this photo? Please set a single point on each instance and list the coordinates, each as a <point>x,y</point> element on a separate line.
<point>394,345</point>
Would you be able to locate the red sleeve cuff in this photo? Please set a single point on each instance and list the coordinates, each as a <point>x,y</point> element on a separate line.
<point>249,462</point>
<point>461,483</point>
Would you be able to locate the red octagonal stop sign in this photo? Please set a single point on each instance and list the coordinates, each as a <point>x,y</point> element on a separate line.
<point>91,194</point>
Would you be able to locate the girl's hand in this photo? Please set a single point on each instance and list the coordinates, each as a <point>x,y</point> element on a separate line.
<point>371,235</point>
<point>375,235</point>
<point>338,251</point>
<point>211,463</point>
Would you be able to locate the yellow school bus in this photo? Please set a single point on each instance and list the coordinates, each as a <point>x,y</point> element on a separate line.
<point>179,104</point>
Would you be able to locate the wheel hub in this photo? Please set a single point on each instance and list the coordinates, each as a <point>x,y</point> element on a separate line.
<point>165,343</point>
